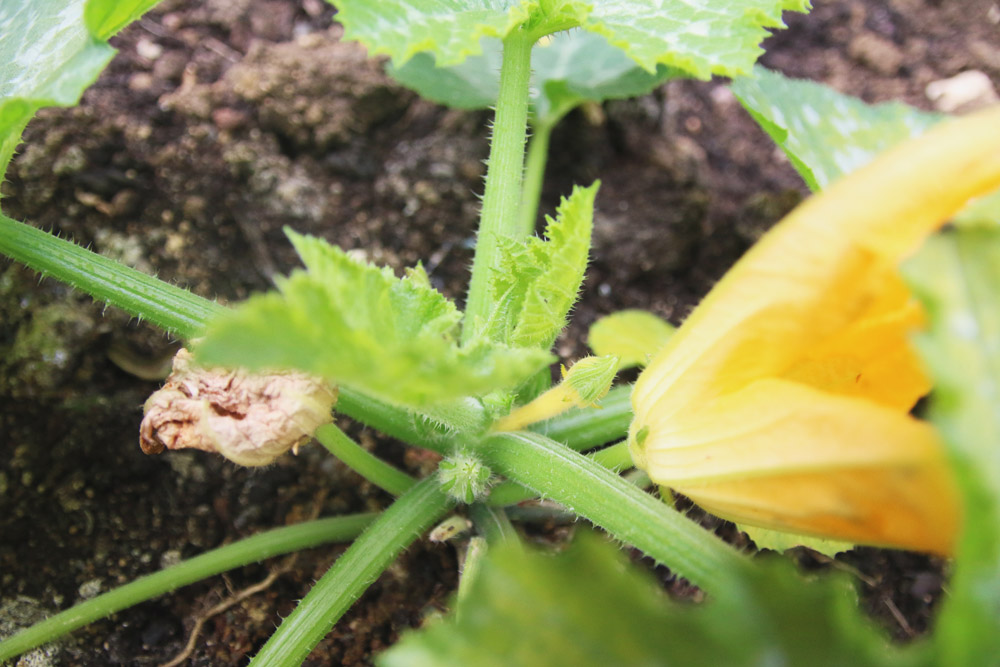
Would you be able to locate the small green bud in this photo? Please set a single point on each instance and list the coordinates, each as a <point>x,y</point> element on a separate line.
<point>590,379</point>
<point>464,477</point>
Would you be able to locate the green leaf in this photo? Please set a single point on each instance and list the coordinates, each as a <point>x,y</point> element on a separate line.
<point>702,38</point>
<point>711,37</point>
<point>824,133</point>
<point>777,540</point>
<point>50,53</point>
<point>827,135</point>
<point>449,29</point>
<point>956,275</point>
<point>538,280</point>
<point>567,70</point>
<point>587,606</point>
<point>358,325</point>
<point>632,335</point>
<point>105,18</point>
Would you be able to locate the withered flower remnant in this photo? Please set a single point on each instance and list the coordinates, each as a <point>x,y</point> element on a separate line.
<point>250,418</point>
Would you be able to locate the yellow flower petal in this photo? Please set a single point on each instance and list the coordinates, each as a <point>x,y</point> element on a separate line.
<point>791,457</point>
<point>823,267</point>
<point>782,401</point>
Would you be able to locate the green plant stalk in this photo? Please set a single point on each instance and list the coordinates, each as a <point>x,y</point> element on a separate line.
<point>492,523</point>
<point>475,552</point>
<point>636,518</point>
<point>502,194</point>
<point>369,466</point>
<point>250,550</point>
<point>616,458</point>
<point>412,513</point>
<point>534,175</point>
<point>584,428</point>
<point>178,311</point>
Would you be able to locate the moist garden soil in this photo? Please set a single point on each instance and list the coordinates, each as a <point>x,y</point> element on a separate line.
<point>222,121</point>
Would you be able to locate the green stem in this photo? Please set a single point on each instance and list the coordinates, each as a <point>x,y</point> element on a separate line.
<point>172,308</point>
<point>502,195</point>
<point>369,466</point>
<point>412,513</point>
<point>534,175</point>
<point>474,555</point>
<point>249,550</point>
<point>616,458</point>
<point>584,428</point>
<point>554,471</point>
<point>492,523</point>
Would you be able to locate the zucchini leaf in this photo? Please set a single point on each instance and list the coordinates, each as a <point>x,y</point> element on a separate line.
<point>358,325</point>
<point>587,606</point>
<point>956,275</point>
<point>827,134</point>
<point>568,69</point>
<point>705,38</point>
<point>634,336</point>
<point>538,280</point>
<point>50,52</point>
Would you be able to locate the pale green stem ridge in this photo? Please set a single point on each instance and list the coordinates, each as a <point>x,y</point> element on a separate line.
<point>584,428</point>
<point>492,523</point>
<point>412,513</point>
<point>534,175</point>
<point>636,518</point>
<point>616,458</point>
<point>502,195</point>
<point>167,306</point>
<point>366,464</point>
<point>249,550</point>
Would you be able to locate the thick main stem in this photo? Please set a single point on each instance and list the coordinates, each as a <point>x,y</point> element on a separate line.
<point>502,196</point>
<point>557,472</point>
<point>397,527</point>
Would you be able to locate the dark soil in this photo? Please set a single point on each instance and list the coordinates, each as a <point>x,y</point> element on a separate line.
<point>222,121</point>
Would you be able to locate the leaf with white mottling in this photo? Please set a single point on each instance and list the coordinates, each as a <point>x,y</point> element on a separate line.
<point>702,39</point>
<point>827,135</point>
<point>448,29</point>
<point>566,70</point>
<point>50,52</point>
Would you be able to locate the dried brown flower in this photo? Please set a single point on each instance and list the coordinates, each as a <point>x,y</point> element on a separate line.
<point>249,418</point>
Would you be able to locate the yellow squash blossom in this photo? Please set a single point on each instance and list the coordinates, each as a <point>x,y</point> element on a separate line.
<point>783,401</point>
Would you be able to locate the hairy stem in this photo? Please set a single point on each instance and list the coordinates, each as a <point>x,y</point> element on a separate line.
<point>412,513</point>
<point>556,472</point>
<point>369,466</point>
<point>534,175</point>
<point>249,550</point>
<point>583,428</point>
<point>502,195</point>
<point>169,307</point>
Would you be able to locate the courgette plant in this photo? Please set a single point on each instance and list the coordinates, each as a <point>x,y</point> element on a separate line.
<point>474,385</point>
